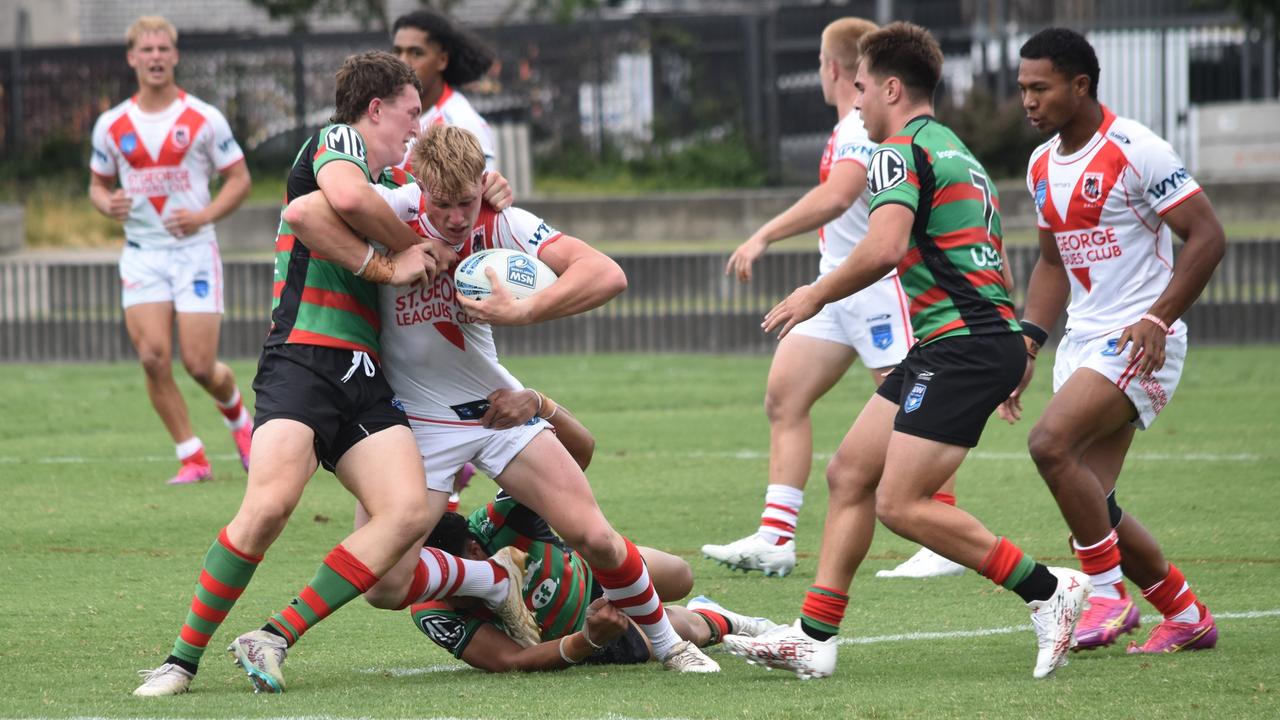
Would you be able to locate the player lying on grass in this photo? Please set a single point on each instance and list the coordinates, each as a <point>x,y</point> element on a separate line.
<point>575,623</point>
<point>443,365</point>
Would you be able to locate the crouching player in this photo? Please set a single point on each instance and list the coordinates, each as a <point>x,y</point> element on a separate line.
<point>574,622</point>
<point>441,361</point>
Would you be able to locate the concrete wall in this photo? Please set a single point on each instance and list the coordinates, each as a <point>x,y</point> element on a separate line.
<point>13,228</point>
<point>1238,142</point>
<point>719,215</point>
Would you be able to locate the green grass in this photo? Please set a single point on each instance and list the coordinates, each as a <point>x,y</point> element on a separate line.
<point>98,558</point>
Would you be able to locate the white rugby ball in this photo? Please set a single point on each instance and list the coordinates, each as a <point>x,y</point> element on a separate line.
<point>520,273</point>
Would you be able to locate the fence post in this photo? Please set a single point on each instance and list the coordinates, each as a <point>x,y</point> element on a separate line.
<point>751,60</point>
<point>15,72</point>
<point>773,124</point>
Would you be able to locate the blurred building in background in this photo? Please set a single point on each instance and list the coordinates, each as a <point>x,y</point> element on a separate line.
<point>731,85</point>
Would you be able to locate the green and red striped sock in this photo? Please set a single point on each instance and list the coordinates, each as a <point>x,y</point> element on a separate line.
<point>342,577</point>
<point>1008,566</point>
<point>223,577</point>
<point>822,611</point>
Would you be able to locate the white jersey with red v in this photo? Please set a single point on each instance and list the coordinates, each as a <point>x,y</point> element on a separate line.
<point>1104,206</point>
<point>434,354</point>
<point>164,161</point>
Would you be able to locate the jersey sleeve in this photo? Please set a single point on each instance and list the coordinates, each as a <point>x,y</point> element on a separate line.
<point>340,142</point>
<point>522,230</point>
<point>1039,190</point>
<point>448,627</point>
<point>1165,182</point>
<point>102,161</point>
<point>853,144</point>
<point>892,177</point>
<point>404,200</point>
<point>225,150</point>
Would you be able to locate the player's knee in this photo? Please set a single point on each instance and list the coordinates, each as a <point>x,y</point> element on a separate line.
<point>680,583</point>
<point>600,545</point>
<point>385,596</point>
<point>781,406</point>
<point>155,362</point>
<point>203,372</point>
<point>1048,447</point>
<point>848,484</point>
<point>409,521</point>
<point>891,511</point>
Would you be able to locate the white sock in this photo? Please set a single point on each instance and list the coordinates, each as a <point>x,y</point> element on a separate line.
<point>187,448</point>
<point>449,576</point>
<point>781,513</point>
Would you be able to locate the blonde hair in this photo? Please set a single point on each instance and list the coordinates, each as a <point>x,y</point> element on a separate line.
<point>149,24</point>
<point>448,161</point>
<point>840,39</point>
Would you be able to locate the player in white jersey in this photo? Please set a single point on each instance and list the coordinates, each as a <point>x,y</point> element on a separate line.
<point>444,58</point>
<point>1108,192</point>
<point>164,146</point>
<point>872,324</point>
<point>440,359</point>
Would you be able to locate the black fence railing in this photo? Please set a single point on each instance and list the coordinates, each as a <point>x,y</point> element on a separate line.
<point>56,311</point>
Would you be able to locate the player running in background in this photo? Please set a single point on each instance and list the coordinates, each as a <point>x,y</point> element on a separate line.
<point>444,57</point>
<point>810,360</point>
<point>934,214</point>
<point>321,398</point>
<point>442,363</point>
<point>573,622</point>
<point>1107,192</point>
<point>164,146</point>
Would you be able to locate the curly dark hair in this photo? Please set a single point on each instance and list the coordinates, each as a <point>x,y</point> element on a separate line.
<point>366,76</point>
<point>450,534</point>
<point>469,59</point>
<point>1068,50</point>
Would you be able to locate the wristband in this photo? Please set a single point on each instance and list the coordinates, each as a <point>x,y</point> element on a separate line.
<point>380,270</point>
<point>585,635</point>
<point>368,256</point>
<point>538,412</point>
<point>565,657</point>
<point>1034,332</point>
<point>1152,318</point>
<point>554,409</point>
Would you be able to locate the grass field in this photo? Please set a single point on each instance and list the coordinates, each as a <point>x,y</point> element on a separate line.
<point>98,558</point>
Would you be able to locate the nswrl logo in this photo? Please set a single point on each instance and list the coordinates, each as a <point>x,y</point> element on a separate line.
<point>520,271</point>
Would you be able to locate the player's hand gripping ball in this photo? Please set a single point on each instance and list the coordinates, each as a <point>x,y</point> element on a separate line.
<point>522,274</point>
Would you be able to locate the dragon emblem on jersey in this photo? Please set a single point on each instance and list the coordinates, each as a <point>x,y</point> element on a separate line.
<point>1091,187</point>
<point>888,170</point>
<point>181,136</point>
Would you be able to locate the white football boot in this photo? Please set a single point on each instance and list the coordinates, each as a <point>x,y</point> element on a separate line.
<point>924,564</point>
<point>786,647</point>
<point>1055,619</point>
<point>738,624</point>
<point>755,553</point>
<point>685,657</point>
<point>260,654</point>
<point>514,614</point>
<point>168,679</point>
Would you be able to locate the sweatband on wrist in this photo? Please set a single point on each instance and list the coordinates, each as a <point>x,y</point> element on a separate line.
<point>368,256</point>
<point>1037,334</point>
<point>565,657</point>
<point>1160,323</point>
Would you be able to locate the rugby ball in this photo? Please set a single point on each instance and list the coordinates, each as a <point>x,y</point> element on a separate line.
<point>522,274</point>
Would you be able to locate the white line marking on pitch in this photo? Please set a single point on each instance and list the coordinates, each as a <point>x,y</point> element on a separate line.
<point>727,454</point>
<point>956,634</point>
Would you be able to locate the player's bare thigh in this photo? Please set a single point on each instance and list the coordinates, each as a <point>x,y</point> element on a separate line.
<point>545,478</point>
<point>281,462</point>
<point>150,327</point>
<point>804,368</point>
<point>672,577</point>
<point>384,472</point>
<point>855,469</point>
<point>198,342</point>
<point>1087,407</point>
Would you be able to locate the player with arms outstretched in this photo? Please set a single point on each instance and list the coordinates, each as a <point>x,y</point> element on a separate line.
<point>164,145</point>
<point>1108,191</point>
<point>934,214</point>
<point>871,324</point>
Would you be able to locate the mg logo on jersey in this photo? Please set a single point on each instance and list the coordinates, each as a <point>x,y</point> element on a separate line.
<point>181,136</point>
<point>344,139</point>
<point>544,593</point>
<point>915,398</point>
<point>520,271</point>
<point>1091,187</point>
<point>888,170</point>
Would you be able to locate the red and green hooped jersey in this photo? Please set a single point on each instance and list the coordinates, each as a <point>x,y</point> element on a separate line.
<point>557,587</point>
<point>952,269</point>
<point>316,301</point>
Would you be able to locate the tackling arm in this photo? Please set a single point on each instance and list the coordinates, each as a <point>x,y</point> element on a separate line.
<point>348,192</point>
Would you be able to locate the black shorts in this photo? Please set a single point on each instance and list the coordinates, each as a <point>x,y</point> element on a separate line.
<point>629,648</point>
<point>341,395</point>
<point>946,390</point>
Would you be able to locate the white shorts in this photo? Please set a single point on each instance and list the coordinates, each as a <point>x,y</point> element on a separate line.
<point>874,322</point>
<point>189,276</point>
<point>1148,395</point>
<point>446,448</point>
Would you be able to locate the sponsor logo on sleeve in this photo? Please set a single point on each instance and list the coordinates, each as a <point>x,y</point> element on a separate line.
<point>888,170</point>
<point>521,271</point>
<point>540,235</point>
<point>1042,193</point>
<point>226,145</point>
<point>100,156</point>
<point>344,139</point>
<point>1166,186</point>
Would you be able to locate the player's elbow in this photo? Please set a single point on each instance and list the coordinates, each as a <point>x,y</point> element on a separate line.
<point>295,214</point>
<point>613,279</point>
<point>584,451</point>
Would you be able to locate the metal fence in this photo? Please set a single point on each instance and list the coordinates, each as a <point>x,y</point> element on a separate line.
<point>661,79</point>
<point>58,311</point>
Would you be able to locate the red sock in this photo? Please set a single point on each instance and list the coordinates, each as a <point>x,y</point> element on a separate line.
<point>198,457</point>
<point>823,609</point>
<point>719,624</point>
<point>1101,561</point>
<point>1172,595</point>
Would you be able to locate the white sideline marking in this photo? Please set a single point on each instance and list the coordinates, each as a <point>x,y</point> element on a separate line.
<point>726,454</point>
<point>607,716</point>
<point>956,634</point>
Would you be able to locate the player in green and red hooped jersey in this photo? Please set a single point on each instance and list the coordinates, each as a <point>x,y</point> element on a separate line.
<point>377,110</point>
<point>934,216</point>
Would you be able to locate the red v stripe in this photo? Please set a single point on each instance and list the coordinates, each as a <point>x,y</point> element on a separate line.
<point>178,140</point>
<point>1082,274</point>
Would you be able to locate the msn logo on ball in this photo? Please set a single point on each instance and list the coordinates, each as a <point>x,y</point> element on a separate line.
<point>521,271</point>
